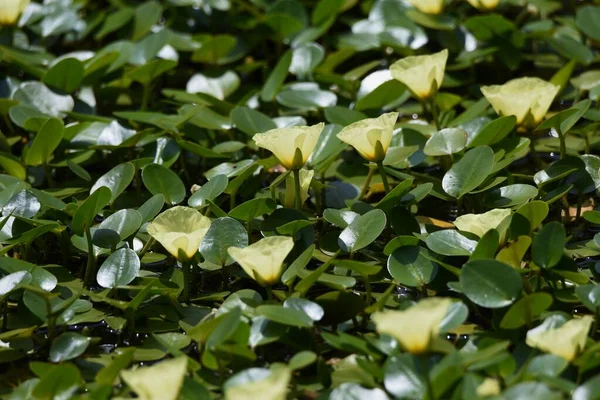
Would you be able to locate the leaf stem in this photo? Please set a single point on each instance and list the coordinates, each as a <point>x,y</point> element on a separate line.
<point>384,178</point>
<point>91,257</point>
<point>185,268</point>
<point>563,143</point>
<point>297,190</point>
<point>367,183</point>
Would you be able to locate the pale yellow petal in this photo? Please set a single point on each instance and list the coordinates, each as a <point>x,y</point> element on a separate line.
<point>418,73</point>
<point>10,10</point>
<point>283,142</point>
<point>479,224</point>
<point>364,134</point>
<point>263,260</point>
<point>489,387</point>
<point>290,190</point>
<point>565,341</point>
<point>428,6</point>
<point>521,97</point>
<point>484,4</point>
<point>149,382</point>
<point>180,229</point>
<point>414,327</point>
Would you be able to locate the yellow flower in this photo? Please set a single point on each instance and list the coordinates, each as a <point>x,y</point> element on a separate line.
<point>364,135</point>
<point>423,75</point>
<point>305,180</point>
<point>528,99</point>
<point>263,260</point>
<point>479,224</point>
<point>149,382</point>
<point>428,6</point>
<point>415,327</point>
<point>10,11</point>
<point>484,4</point>
<point>270,385</point>
<point>489,387</point>
<point>180,230</point>
<point>565,341</point>
<point>292,146</point>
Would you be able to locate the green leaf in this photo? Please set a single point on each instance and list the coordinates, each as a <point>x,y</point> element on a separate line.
<point>450,242</point>
<point>66,75</point>
<point>146,15</point>
<point>251,121</point>
<point>469,172</point>
<point>446,142</point>
<point>253,208</point>
<point>510,195</point>
<point>402,377</point>
<point>210,191</point>
<point>152,70</point>
<point>68,346</point>
<point>362,231</point>
<point>161,180</point>
<point>409,267</point>
<point>490,283</point>
<point>151,207</point>
<point>60,382</point>
<point>285,316</point>
<point>588,20</point>
<point>120,226</point>
<point>494,131</point>
<point>548,245</point>
<point>87,211</point>
<point>117,180</point>
<point>45,142</point>
<point>590,388</point>
<point>223,233</point>
<point>115,21</point>
<point>277,77</point>
<point>119,269</point>
<point>525,310</point>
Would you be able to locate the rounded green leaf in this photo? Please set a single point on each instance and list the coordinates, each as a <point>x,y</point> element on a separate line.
<point>510,195</point>
<point>410,267</point>
<point>119,269</point>
<point>490,283</point>
<point>469,172</point>
<point>525,310</point>
<point>66,75</point>
<point>84,216</point>
<point>363,231</point>
<point>45,142</point>
<point>210,191</point>
<point>445,142</point>
<point>449,242</point>
<point>123,223</point>
<point>161,180</point>
<point>494,131</point>
<point>549,244</point>
<point>117,180</point>
<point>68,346</point>
<point>223,233</point>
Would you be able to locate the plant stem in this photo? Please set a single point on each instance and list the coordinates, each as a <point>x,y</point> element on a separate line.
<point>434,113</point>
<point>145,97</point>
<point>297,190</point>
<point>91,257</point>
<point>269,293</point>
<point>563,143</point>
<point>48,174</point>
<point>367,184</point>
<point>185,268</point>
<point>146,247</point>
<point>384,178</point>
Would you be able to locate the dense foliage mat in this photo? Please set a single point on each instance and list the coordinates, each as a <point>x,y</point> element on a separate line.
<point>299,199</point>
